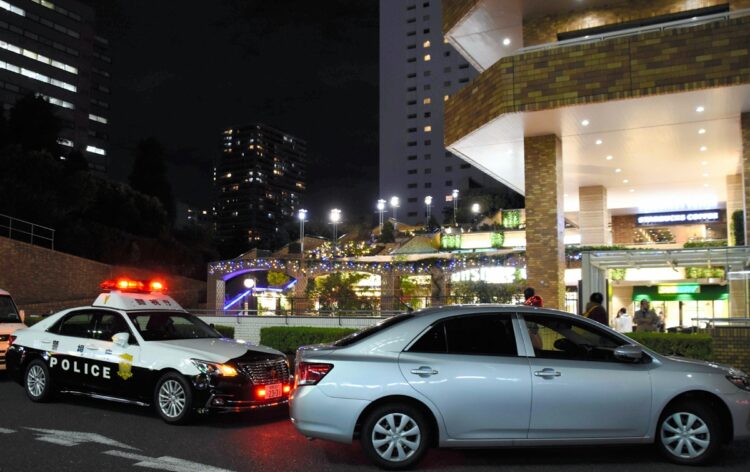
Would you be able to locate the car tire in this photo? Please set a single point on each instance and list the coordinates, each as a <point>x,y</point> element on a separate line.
<point>395,436</point>
<point>173,398</point>
<point>689,433</point>
<point>37,382</point>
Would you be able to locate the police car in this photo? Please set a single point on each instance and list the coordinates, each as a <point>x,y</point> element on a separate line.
<point>10,320</point>
<point>136,345</point>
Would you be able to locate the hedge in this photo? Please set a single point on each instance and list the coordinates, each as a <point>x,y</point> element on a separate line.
<point>693,346</point>
<point>288,338</point>
<point>226,331</point>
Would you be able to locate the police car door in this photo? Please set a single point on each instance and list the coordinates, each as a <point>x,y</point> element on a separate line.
<point>117,361</point>
<point>67,346</point>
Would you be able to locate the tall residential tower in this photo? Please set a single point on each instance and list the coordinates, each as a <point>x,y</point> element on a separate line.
<point>258,180</point>
<point>419,71</point>
<point>50,48</point>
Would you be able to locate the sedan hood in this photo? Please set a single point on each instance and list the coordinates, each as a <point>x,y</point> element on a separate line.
<point>218,349</point>
<point>704,366</point>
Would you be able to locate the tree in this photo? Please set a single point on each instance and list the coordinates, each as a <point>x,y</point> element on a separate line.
<point>149,174</point>
<point>76,162</point>
<point>483,292</point>
<point>387,234</point>
<point>432,224</point>
<point>33,125</point>
<point>336,290</point>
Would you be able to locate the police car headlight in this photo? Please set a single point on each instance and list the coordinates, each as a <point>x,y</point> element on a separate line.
<point>213,368</point>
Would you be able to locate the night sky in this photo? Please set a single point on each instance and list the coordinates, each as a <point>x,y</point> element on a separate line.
<point>184,70</point>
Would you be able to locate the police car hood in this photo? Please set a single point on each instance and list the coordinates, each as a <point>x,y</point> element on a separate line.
<point>218,349</point>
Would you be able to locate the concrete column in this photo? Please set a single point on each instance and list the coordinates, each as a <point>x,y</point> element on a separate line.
<point>300,303</point>
<point>593,216</point>
<point>545,253</point>
<point>745,125</point>
<point>734,203</point>
<point>439,286</point>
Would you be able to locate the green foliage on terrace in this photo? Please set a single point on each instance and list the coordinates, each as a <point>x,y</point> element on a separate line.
<point>699,244</point>
<point>692,346</point>
<point>511,219</point>
<point>288,339</point>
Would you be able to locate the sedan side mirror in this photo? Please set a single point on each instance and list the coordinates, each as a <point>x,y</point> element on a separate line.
<point>121,339</point>
<point>22,315</point>
<point>629,352</point>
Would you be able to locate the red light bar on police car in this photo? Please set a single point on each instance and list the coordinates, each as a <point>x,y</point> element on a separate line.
<point>124,284</point>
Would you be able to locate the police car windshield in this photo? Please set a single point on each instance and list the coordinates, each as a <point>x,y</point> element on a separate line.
<point>8,311</point>
<point>170,326</point>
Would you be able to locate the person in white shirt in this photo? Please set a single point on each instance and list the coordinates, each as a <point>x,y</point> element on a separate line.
<point>623,321</point>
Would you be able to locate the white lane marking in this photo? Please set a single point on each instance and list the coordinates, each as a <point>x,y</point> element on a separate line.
<point>6,431</point>
<point>74,438</point>
<point>170,464</point>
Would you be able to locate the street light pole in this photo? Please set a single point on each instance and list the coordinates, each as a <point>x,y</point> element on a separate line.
<point>335,217</point>
<point>428,207</point>
<point>381,209</point>
<point>394,204</point>
<point>455,206</point>
<point>475,211</point>
<point>302,216</point>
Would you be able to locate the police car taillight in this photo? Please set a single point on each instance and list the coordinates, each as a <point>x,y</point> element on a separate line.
<point>11,339</point>
<point>124,284</point>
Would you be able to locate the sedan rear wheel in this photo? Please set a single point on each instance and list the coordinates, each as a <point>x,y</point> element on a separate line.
<point>689,433</point>
<point>395,436</point>
<point>173,398</point>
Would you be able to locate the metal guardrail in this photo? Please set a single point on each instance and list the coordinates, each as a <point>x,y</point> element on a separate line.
<point>22,230</point>
<point>695,21</point>
<point>727,322</point>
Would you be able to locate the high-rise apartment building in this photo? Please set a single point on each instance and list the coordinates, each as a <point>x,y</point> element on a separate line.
<point>258,181</point>
<point>51,49</point>
<point>419,71</point>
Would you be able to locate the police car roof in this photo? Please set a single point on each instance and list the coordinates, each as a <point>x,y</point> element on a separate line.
<point>3,292</point>
<point>130,301</point>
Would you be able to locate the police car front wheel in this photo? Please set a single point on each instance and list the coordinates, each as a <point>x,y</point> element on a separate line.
<point>173,398</point>
<point>38,382</point>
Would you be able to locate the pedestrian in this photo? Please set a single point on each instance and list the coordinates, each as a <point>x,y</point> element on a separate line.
<point>623,321</point>
<point>531,299</point>
<point>646,320</point>
<point>595,310</point>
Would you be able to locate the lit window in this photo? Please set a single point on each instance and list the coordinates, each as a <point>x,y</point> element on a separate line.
<point>37,76</point>
<point>446,97</point>
<point>427,58</point>
<point>98,119</point>
<point>12,9</point>
<point>65,142</point>
<point>37,57</point>
<point>426,44</point>
<point>427,129</point>
<point>427,101</point>
<point>96,150</point>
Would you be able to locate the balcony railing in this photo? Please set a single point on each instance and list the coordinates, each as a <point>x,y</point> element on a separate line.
<point>22,230</point>
<point>695,21</point>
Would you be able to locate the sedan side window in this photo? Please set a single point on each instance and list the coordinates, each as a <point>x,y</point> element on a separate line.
<point>110,324</point>
<point>479,335</point>
<point>78,325</point>
<point>561,338</point>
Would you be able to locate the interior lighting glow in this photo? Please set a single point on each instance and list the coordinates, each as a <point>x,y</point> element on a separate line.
<point>702,131</point>
<point>585,122</point>
<point>599,141</point>
<point>704,148</point>
<point>618,170</point>
<point>506,42</point>
<point>610,157</point>
<point>700,109</point>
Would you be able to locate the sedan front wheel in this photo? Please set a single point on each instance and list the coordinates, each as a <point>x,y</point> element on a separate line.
<point>689,433</point>
<point>173,398</point>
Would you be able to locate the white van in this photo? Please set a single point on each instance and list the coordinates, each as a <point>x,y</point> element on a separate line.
<point>11,319</point>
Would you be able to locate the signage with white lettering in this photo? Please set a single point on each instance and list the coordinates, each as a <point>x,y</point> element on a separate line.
<point>677,218</point>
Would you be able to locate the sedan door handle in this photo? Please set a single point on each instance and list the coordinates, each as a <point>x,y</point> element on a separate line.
<point>547,373</point>
<point>424,371</point>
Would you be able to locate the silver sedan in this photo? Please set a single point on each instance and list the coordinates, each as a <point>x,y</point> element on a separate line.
<point>492,376</point>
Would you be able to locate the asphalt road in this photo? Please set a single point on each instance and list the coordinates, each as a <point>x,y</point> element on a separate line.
<point>117,437</point>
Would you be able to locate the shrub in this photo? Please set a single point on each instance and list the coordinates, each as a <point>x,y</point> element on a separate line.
<point>693,346</point>
<point>226,331</point>
<point>288,338</point>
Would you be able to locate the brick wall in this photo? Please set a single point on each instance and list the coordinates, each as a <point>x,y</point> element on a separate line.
<point>623,229</point>
<point>678,60</point>
<point>731,346</point>
<point>544,29</point>
<point>41,280</point>
<point>544,219</point>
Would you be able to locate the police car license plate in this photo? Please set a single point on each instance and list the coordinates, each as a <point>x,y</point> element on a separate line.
<point>273,390</point>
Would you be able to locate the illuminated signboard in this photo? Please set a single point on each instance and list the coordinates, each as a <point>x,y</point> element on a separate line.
<point>675,289</point>
<point>680,217</point>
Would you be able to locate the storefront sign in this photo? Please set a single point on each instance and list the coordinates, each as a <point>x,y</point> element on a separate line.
<point>680,217</point>
<point>675,289</point>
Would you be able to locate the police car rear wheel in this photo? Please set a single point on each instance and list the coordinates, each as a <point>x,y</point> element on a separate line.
<point>173,398</point>
<point>37,381</point>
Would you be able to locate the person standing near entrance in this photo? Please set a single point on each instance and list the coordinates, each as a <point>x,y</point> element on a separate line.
<point>531,299</point>
<point>595,310</point>
<point>623,321</point>
<point>646,320</point>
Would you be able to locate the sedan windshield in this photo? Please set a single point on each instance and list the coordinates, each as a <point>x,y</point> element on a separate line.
<point>8,310</point>
<point>169,326</point>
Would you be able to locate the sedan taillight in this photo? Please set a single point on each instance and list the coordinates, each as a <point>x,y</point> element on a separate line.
<point>310,373</point>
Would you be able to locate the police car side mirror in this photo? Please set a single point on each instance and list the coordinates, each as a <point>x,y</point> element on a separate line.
<point>121,339</point>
